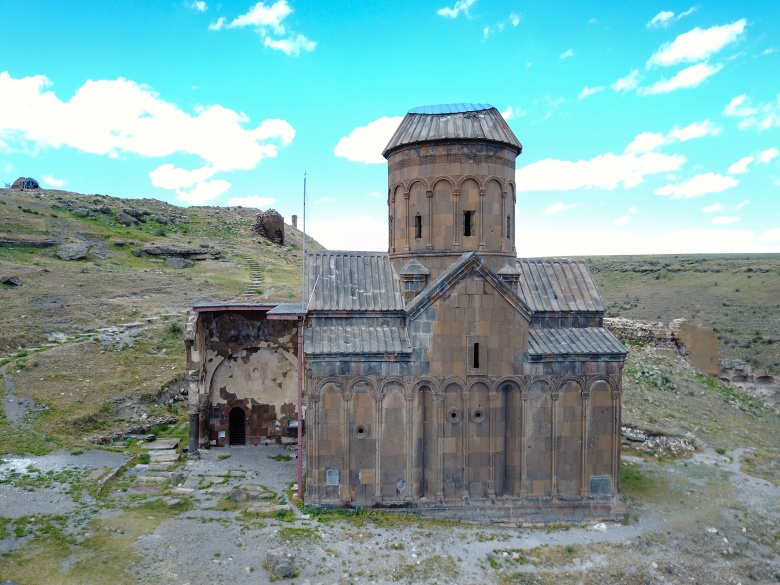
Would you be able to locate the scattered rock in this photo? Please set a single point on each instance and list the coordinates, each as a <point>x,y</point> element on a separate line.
<point>239,495</point>
<point>179,263</point>
<point>119,243</point>
<point>76,251</point>
<point>11,280</point>
<point>126,219</point>
<point>137,253</point>
<point>600,527</point>
<point>279,563</point>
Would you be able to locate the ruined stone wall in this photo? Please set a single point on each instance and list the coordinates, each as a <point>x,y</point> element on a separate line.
<point>270,225</point>
<point>242,360</point>
<point>698,344</point>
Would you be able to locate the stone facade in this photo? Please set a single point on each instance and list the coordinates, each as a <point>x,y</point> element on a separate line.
<point>446,377</point>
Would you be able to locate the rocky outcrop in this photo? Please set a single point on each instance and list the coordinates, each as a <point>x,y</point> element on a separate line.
<point>183,252</point>
<point>77,251</point>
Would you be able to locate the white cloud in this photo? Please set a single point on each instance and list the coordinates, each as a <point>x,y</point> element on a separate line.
<point>511,113</point>
<point>203,192</point>
<point>366,143</point>
<point>661,19</point>
<point>461,6</point>
<point>738,107</point>
<point>512,20</point>
<point>741,166</point>
<point>725,219</point>
<point>689,77</point>
<point>665,18</point>
<point>649,141</point>
<point>762,117</point>
<point>627,83</point>
<point>197,5</point>
<point>767,155</point>
<point>268,21</point>
<point>374,194</point>
<point>559,207</point>
<point>632,210</point>
<point>358,233</point>
<point>251,201</point>
<point>117,117</point>
<point>772,235</point>
<point>567,54</point>
<point>53,182</point>
<point>605,171</point>
<point>108,117</point>
<point>742,204</point>
<point>646,142</point>
<point>622,220</point>
<point>695,130</point>
<point>168,176</point>
<point>588,91</point>
<point>712,208</point>
<point>697,186</point>
<point>261,15</point>
<point>291,46</point>
<point>697,44</point>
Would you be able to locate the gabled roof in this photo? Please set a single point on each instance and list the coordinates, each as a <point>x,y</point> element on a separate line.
<point>341,337</point>
<point>558,284</point>
<point>472,122</point>
<point>352,281</point>
<point>462,267</point>
<point>574,341</point>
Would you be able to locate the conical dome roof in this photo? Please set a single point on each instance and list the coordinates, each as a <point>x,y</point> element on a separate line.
<point>446,122</point>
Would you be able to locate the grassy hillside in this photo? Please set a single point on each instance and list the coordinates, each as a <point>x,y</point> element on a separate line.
<point>737,295</point>
<point>71,322</point>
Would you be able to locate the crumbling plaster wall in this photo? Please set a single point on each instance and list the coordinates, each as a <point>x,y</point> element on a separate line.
<point>243,360</point>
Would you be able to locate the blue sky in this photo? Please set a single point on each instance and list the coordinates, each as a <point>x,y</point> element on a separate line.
<point>648,127</point>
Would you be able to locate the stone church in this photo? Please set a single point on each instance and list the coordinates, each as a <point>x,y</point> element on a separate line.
<point>445,375</point>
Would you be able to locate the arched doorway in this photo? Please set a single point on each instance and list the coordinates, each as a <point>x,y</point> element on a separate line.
<point>237,426</point>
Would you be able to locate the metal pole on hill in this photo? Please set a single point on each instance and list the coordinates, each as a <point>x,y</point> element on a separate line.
<point>300,351</point>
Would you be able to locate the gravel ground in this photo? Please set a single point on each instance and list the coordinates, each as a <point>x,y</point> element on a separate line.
<point>709,523</point>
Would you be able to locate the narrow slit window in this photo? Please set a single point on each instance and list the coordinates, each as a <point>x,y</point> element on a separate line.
<point>468,223</point>
<point>508,227</point>
<point>476,355</point>
<point>418,226</point>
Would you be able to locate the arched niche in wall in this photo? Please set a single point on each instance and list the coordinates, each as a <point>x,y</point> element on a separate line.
<point>394,443</point>
<point>538,440</point>
<point>426,443</point>
<point>418,216</point>
<point>568,458</point>
<point>362,437</point>
<point>513,449</point>
<point>469,220</point>
<point>601,434</point>
<point>495,223</point>
<point>479,451</point>
<point>443,210</point>
<point>399,218</point>
<point>330,440</point>
<point>452,442</point>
